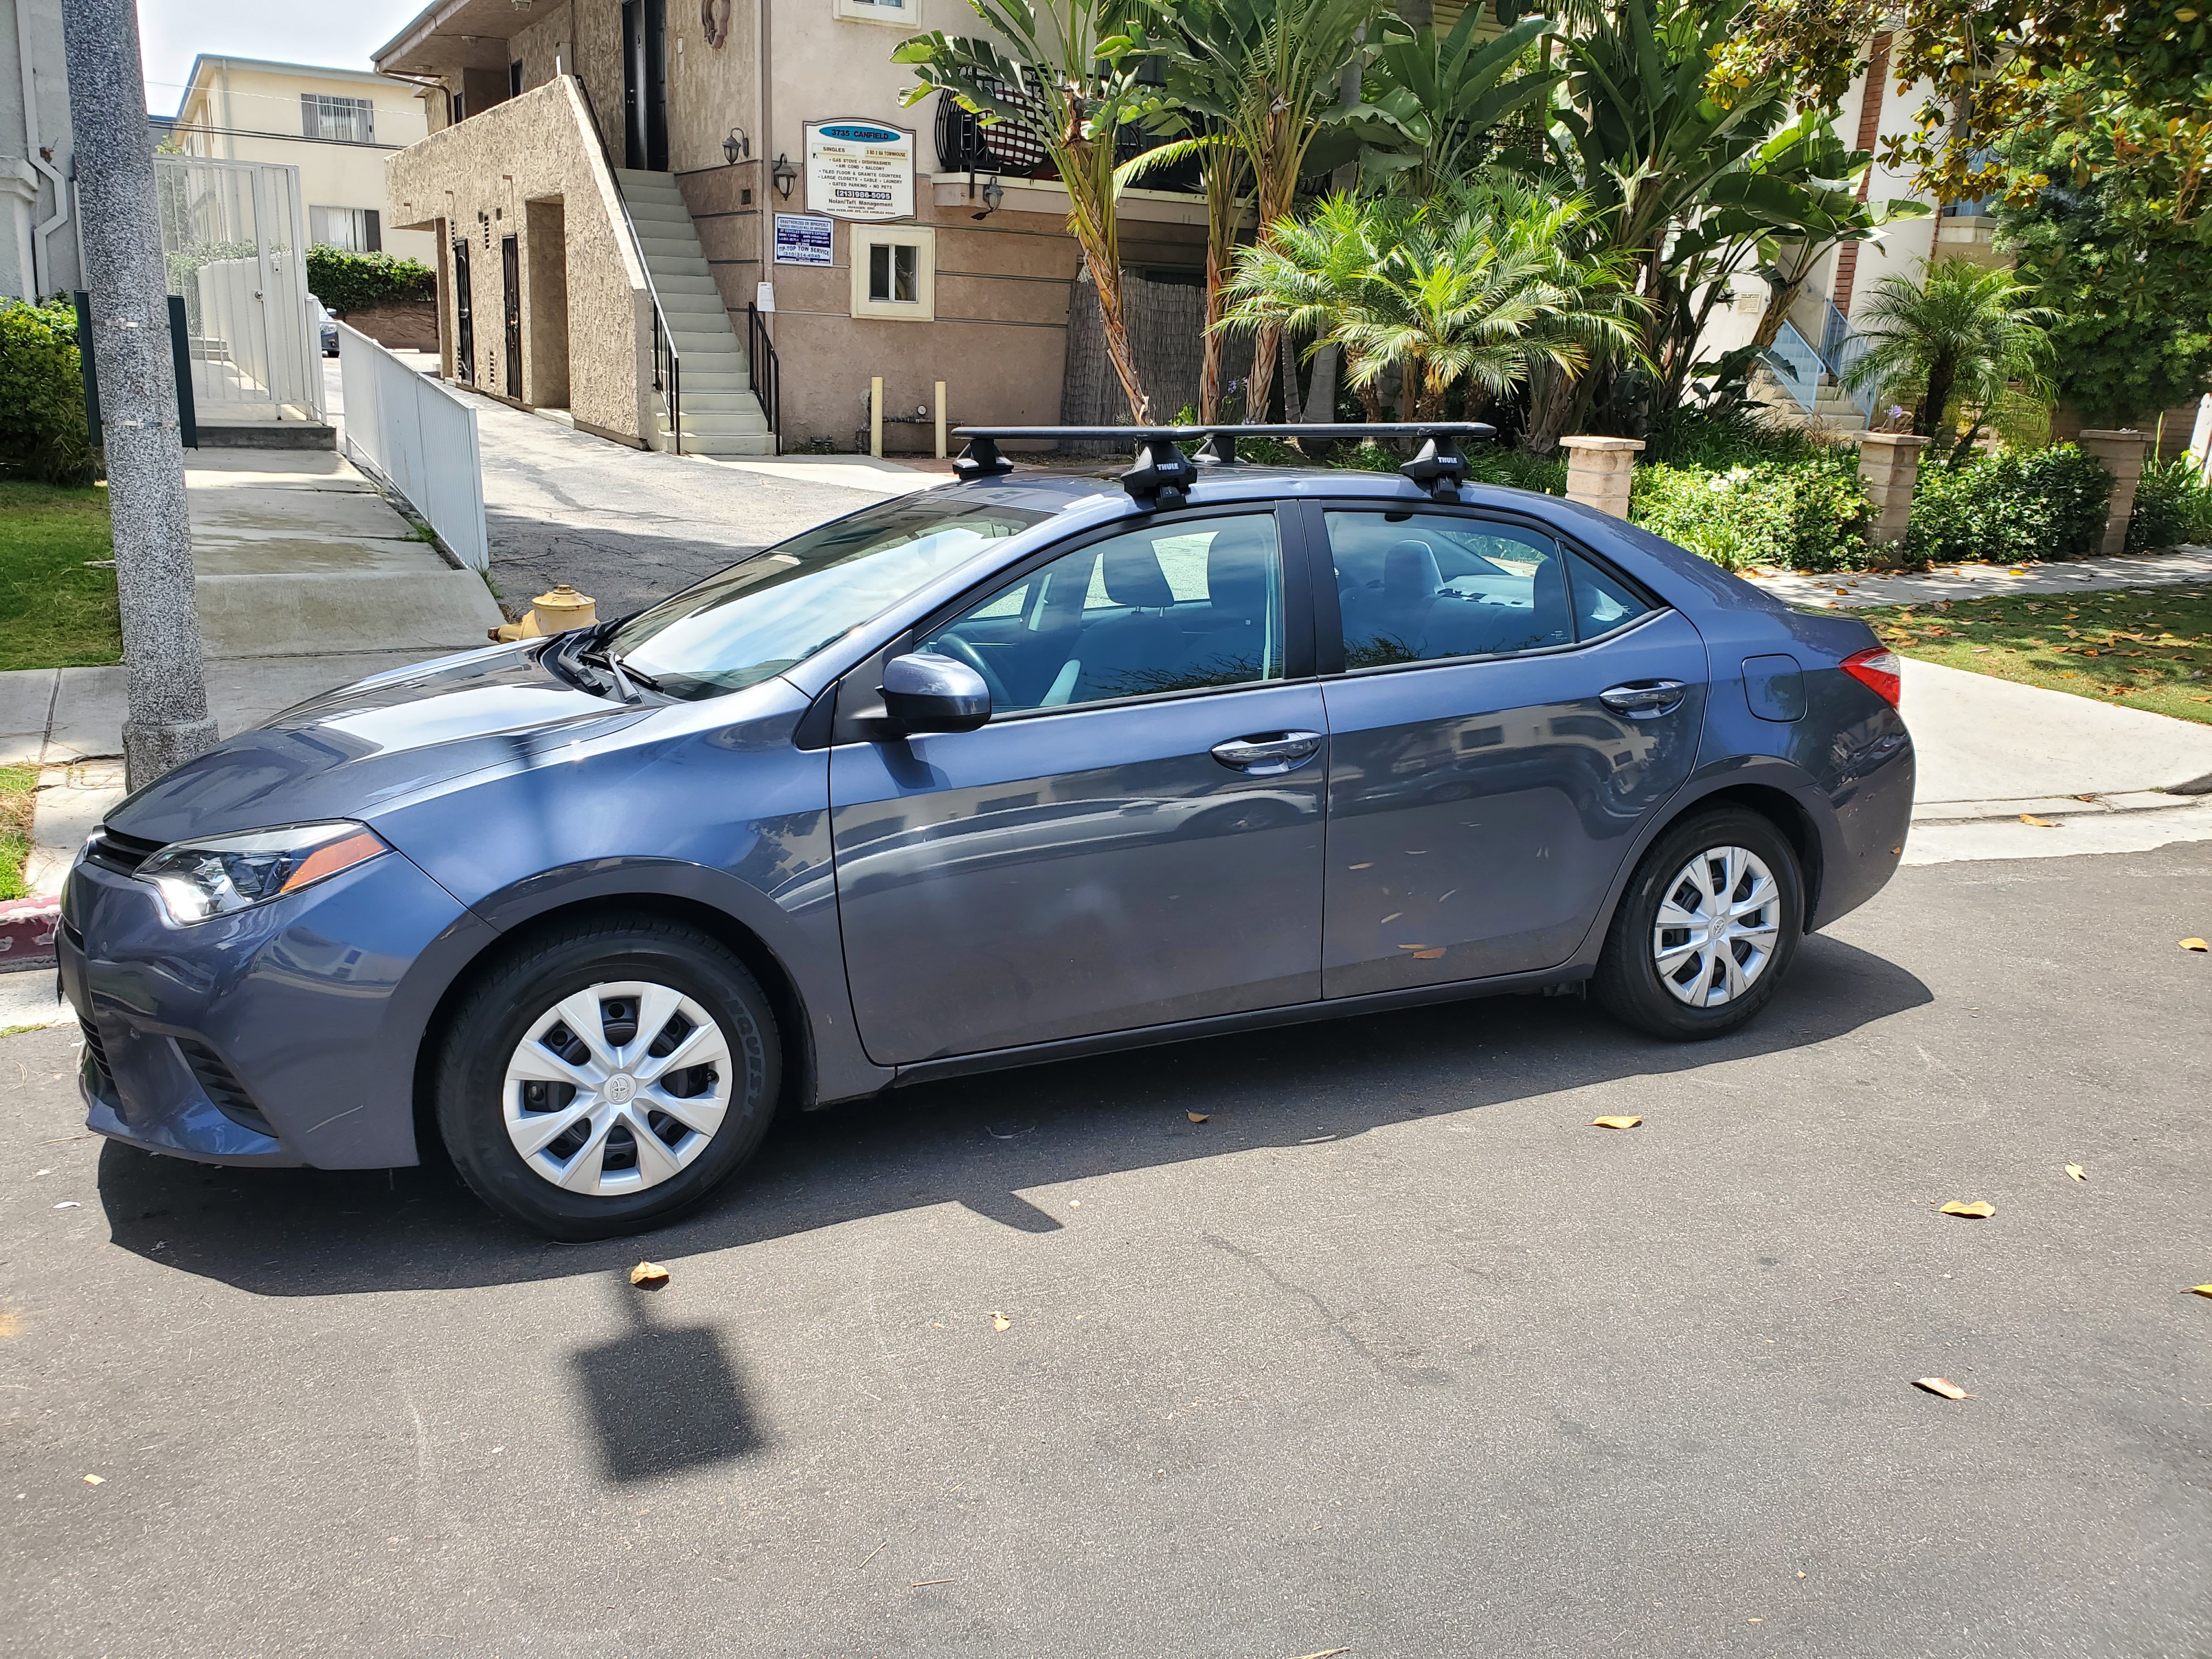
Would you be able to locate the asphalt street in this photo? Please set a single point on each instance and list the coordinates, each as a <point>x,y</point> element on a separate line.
<point>1392,1355</point>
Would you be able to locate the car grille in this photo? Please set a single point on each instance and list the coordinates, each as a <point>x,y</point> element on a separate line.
<point>111,849</point>
<point>104,1079</point>
<point>220,1085</point>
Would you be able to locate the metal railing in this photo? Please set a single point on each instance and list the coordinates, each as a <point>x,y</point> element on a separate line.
<point>1796,365</point>
<point>766,372</point>
<point>667,360</point>
<point>1841,348</point>
<point>407,429</point>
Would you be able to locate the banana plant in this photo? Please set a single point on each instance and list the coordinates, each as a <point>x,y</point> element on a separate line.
<point>1437,101</point>
<point>1069,74</point>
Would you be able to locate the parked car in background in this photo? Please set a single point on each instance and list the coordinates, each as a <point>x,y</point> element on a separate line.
<point>1017,770</point>
<point>327,326</point>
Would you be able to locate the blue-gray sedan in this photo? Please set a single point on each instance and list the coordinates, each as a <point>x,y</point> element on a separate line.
<point>1023,768</point>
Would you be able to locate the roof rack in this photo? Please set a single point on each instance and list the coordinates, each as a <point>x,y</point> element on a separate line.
<point>1163,474</point>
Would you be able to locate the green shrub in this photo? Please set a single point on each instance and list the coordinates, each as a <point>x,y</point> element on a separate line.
<point>2018,504</point>
<point>42,427</point>
<point>2171,507</point>
<point>354,281</point>
<point>1807,514</point>
<point>1715,442</point>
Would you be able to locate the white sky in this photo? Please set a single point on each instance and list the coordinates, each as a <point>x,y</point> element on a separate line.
<point>332,34</point>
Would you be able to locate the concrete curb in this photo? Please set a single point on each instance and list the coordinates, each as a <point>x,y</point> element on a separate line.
<point>1929,812</point>
<point>28,927</point>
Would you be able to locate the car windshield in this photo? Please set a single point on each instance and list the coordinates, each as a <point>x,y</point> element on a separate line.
<point>780,607</point>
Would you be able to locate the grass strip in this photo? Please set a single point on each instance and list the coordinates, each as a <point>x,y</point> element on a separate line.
<point>2139,647</point>
<point>18,793</point>
<point>59,603</point>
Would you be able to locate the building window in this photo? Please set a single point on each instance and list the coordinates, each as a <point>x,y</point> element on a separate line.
<point>901,12</point>
<point>355,230</point>
<point>895,272</point>
<point>514,79</point>
<point>349,120</point>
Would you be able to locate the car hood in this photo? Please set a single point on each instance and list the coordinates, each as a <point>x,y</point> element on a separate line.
<point>343,754</point>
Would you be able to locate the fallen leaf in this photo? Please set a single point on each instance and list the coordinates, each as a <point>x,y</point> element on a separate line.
<point>96,1480</point>
<point>2077,1172</point>
<point>1198,1117</point>
<point>2040,823</point>
<point>69,1204</point>
<point>1427,956</point>
<point>2195,944</point>
<point>1977,1210</point>
<point>1943,1385</point>
<point>999,1321</point>
<point>649,1272</point>
<point>2015,571</point>
<point>2199,1290</point>
<point>1614,1122</point>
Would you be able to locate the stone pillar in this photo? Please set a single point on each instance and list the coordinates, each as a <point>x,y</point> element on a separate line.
<point>2120,452</point>
<point>1599,471</point>
<point>1889,465</point>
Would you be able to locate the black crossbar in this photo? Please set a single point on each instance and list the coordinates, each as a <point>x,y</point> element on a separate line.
<point>1163,474</point>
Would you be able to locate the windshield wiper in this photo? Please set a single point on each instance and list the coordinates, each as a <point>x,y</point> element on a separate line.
<point>623,673</point>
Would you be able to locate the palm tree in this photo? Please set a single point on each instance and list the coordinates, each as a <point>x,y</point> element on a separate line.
<point>1967,336</point>
<point>1071,80</point>
<point>1474,289</point>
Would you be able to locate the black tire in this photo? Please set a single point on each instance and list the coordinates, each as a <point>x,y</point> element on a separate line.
<point>1628,985</point>
<point>498,1013</point>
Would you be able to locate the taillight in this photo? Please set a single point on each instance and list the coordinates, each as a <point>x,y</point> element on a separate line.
<point>1877,669</point>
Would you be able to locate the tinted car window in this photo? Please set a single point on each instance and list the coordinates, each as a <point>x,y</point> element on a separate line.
<point>1178,607</point>
<point>1414,586</point>
<point>1602,601</point>
<point>780,607</point>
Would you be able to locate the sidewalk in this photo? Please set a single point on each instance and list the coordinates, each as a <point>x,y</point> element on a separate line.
<point>1849,590</point>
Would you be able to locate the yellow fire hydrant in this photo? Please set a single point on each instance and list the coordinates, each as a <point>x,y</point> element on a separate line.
<point>554,613</point>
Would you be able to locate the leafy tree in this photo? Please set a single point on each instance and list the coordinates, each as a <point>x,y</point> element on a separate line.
<point>1068,73</point>
<point>1965,346</point>
<point>1465,291</point>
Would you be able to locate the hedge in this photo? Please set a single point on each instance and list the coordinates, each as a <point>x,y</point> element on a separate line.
<point>354,281</point>
<point>2171,507</point>
<point>2019,504</point>
<point>42,428</point>
<point>1809,514</point>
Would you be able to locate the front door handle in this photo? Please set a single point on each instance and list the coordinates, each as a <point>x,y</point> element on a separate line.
<point>1268,754</point>
<point>1645,699</point>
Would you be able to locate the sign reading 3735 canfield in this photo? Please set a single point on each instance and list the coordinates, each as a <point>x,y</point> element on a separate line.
<point>859,170</point>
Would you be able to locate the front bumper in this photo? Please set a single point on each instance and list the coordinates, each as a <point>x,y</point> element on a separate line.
<point>281,1034</point>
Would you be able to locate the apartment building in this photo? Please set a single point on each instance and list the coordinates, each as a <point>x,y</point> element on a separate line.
<point>336,126</point>
<point>639,203</point>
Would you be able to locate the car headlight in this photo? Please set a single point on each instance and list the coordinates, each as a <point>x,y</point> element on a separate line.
<point>198,879</point>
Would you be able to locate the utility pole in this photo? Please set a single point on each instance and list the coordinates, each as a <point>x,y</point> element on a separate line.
<point>168,721</point>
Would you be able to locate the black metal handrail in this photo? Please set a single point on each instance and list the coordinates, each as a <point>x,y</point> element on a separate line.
<point>767,373</point>
<point>667,361</point>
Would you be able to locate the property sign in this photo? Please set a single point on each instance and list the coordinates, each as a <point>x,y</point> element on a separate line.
<point>859,170</point>
<point>802,239</point>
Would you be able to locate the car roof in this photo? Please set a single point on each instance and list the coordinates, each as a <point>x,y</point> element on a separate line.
<point>1057,492</point>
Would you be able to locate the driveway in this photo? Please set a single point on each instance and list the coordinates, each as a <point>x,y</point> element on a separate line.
<point>1393,1356</point>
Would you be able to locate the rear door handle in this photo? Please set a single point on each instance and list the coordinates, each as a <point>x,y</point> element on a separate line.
<point>1645,699</point>
<point>1268,754</point>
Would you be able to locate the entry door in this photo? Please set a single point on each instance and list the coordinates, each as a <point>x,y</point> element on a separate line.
<point>1136,836</point>
<point>645,85</point>
<point>464,364</point>
<point>510,272</point>
<point>1512,714</point>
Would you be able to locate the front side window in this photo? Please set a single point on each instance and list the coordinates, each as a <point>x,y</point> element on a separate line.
<point>1186,606</point>
<point>777,608</point>
<point>1417,587</point>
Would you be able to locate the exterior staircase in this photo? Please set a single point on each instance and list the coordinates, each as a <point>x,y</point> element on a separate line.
<point>721,416</point>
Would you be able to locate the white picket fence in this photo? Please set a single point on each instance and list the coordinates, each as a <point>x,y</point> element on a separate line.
<point>419,437</point>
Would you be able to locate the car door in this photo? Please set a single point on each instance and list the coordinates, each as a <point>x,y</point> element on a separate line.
<point>1509,713</point>
<point>1135,837</point>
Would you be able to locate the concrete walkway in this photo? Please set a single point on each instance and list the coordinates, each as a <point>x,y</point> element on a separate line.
<point>1851,590</point>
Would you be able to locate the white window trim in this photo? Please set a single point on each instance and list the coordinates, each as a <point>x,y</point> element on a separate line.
<point>868,11</point>
<point>861,238</point>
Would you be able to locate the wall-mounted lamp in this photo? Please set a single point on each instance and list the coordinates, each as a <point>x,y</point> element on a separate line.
<point>737,146</point>
<point>993,193</point>
<point>784,174</point>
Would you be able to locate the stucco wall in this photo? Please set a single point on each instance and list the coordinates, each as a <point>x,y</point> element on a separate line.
<point>538,148</point>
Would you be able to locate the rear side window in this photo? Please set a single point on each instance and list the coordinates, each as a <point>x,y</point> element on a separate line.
<point>1602,601</point>
<point>1417,587</point>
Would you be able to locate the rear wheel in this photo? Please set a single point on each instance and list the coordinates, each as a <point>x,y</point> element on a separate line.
<point>608,1078</point>
<point>1706,929</point>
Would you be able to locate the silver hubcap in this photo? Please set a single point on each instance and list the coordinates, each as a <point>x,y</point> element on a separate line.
<point>1717,927</point>
<point>617,1088</point>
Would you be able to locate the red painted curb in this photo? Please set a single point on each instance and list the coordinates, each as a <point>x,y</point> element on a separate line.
<point>26,931</point>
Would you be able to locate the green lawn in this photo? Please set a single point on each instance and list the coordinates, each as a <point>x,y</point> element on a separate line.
<point>58,610</point>
<point>16,786</point>
<point>2146,648</point>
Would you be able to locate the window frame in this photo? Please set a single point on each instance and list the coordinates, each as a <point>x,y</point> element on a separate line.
<point>1329,613</point>
<point>873,11</point>
<point>1300,665</point>
<point>863,237</point>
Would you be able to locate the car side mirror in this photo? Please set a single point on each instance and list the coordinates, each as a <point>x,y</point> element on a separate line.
<point>925,692</point>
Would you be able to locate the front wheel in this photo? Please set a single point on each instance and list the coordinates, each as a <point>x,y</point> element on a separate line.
<point>608,1078</point>
<point>1707,927</point>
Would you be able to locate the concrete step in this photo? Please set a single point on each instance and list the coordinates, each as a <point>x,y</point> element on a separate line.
<point>657,248</point>
<point>643,209</point>
<point>728,420</point>
<point>677,303</point>
<point>716,383</point>
<point>691,343</point>
<point>717,401</point>
<point>728,445</point>
<point>672,284</point>
<point>664,264</point>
